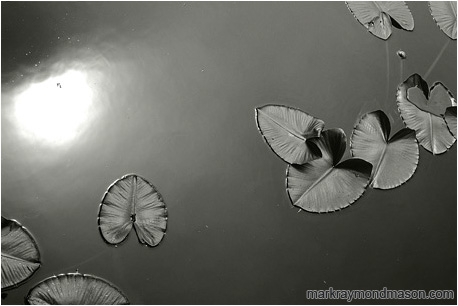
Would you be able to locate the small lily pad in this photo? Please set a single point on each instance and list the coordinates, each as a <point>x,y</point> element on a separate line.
<point>132,201</point>
<point>76,289</point>
<point>324,184</point>
<point>288,132</point>
<point>379,16</point>
<point>423,109</point>
<point>444,13</point>
<point>394,160</point>
<point>20,254</point>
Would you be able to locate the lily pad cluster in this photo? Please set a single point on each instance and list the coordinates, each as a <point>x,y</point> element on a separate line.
<point>21,259</point>
<point>321,183</point>
<point>130,202</point>
<point>316,179</point>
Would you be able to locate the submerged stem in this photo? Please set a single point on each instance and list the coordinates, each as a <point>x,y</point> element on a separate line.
<point>83,262</point>
<point>387,72</point>
<point>401,77</point>
<point>437,59</point>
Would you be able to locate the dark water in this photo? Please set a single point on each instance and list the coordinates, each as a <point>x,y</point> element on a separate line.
<point>173,89</point>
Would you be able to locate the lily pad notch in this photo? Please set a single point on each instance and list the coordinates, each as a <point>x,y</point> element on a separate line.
<point>394,159</point>
<point>132,201</point>
<point>378,16</point>
<point>326,184</point>
<point>424,110</point>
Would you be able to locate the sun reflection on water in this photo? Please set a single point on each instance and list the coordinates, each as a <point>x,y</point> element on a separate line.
<point>68,99</point>
<point>54,110</point>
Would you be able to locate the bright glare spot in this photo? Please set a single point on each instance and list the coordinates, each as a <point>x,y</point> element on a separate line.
<point>54,110</point>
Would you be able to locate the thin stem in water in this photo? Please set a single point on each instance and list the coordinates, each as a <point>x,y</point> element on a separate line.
<point>401,74</point>
<point>387,72</point>
<point>437,59</point>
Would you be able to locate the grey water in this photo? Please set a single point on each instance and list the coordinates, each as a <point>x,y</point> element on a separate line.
<point>167,90</point>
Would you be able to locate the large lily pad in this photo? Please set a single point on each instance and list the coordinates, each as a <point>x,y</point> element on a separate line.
<point>444,13</point>
<point>20,254</point>
<point>325,185</point>
<point>132,201</point>
<point>288,132</point>
<point>394,160</point>
<point>423,109</point>
<point>76,289</point>
<point>379,16</point>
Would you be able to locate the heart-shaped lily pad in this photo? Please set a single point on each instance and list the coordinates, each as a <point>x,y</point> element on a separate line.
<point>422,110</point>
<point>379,16</point>
<point>394,160</point>
<point>324,184</point>
<point>132,201</point>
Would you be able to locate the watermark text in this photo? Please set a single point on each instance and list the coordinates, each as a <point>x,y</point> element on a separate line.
<point>383,294</point>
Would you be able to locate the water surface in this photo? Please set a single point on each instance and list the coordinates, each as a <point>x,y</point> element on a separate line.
<point>173,88</point>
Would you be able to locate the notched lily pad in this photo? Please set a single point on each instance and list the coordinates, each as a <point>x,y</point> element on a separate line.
<point>444,13</point>
<point>394,160</point>
<point>422,110</point>
<point>439,98</point>
<point>20,254</point>
<point>288,132</point>
<point>132,201</point>
<point>75,289</point>
<point>325,185</point>
<point>379,16</point>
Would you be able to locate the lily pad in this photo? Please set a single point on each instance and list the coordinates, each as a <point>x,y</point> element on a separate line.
<point>422,111</point>
<point>132,201</point>
<point>288,132</point>
<point>444,13</point>
<point>394,160</point>
<point>325,185</point>
<point>450,119</point>
<point>20,254</point>
<point>439,98</point>
<point>378,16</point>
<point>76,289</point>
